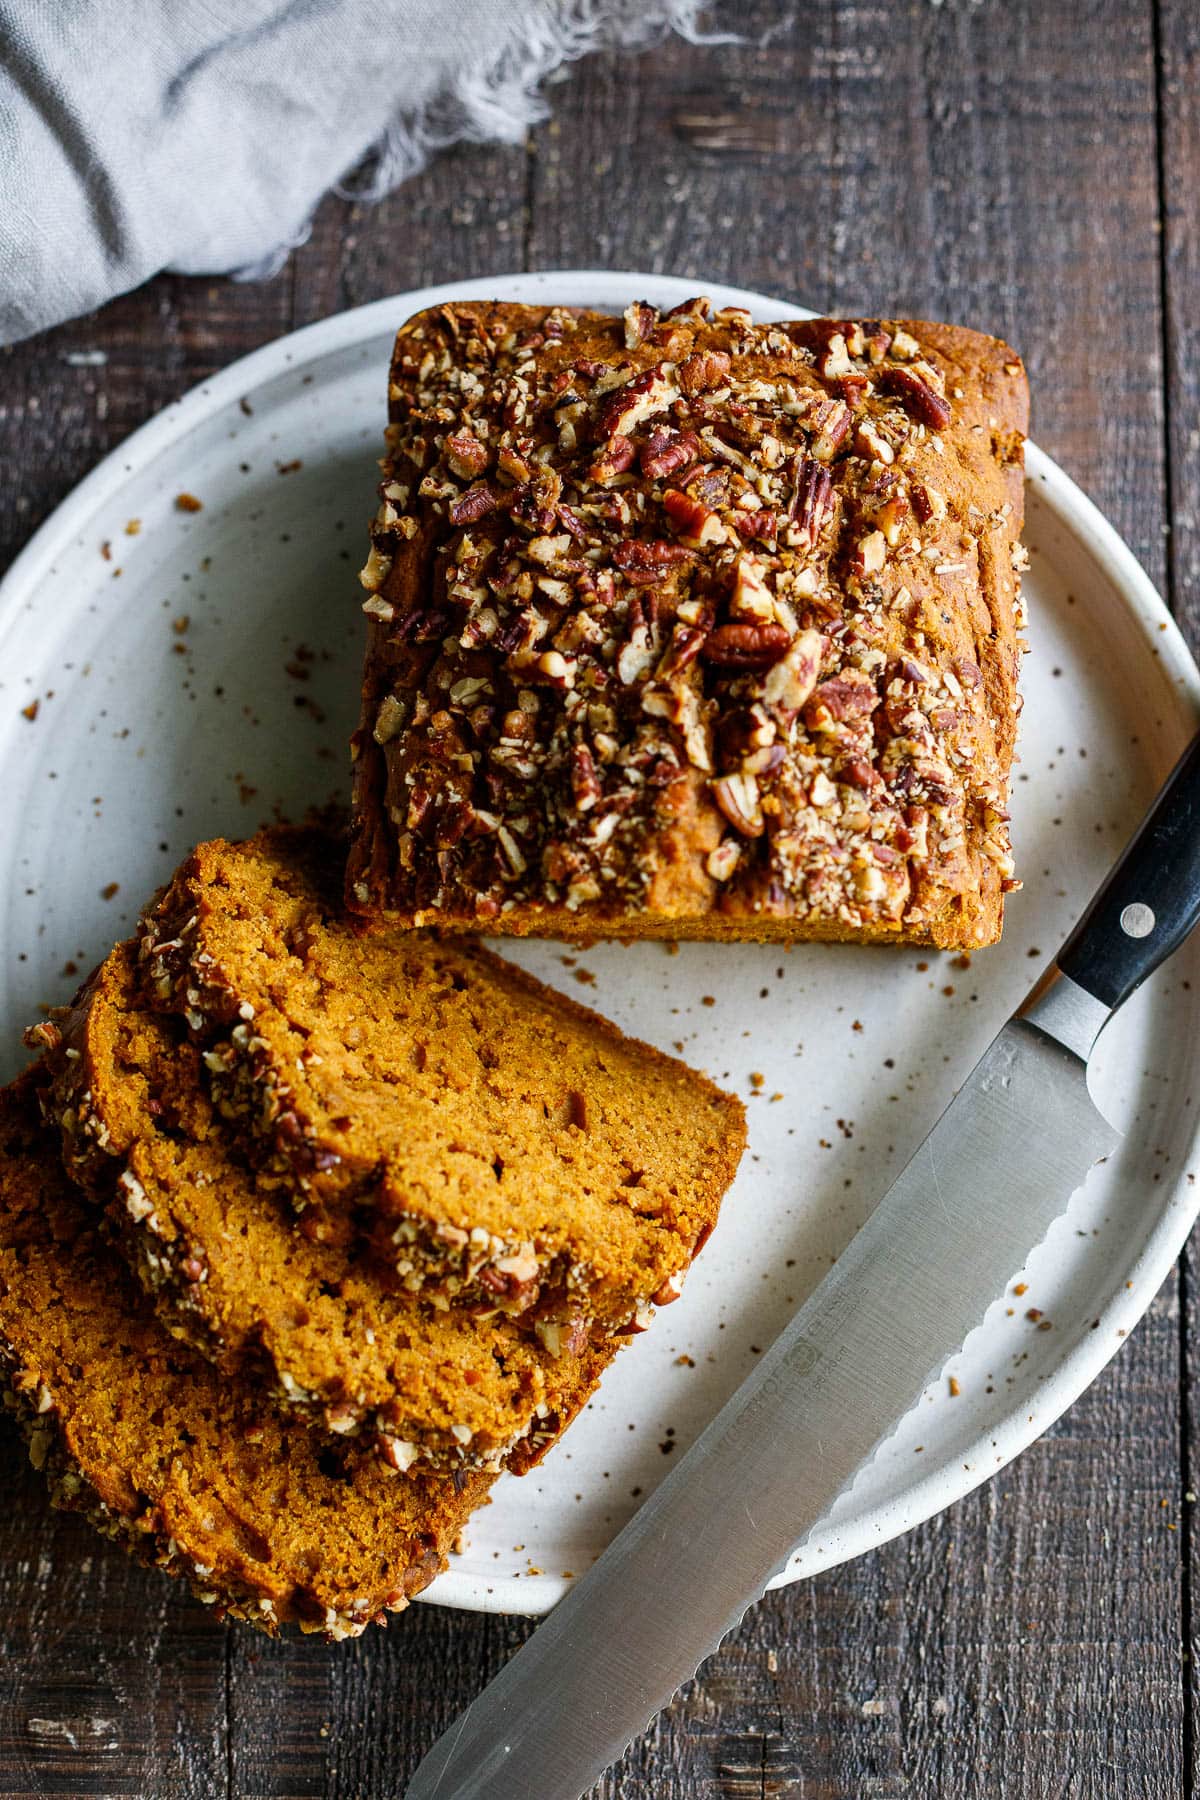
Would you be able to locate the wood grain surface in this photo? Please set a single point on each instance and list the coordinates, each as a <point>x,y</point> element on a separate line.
<point>1029,169</point>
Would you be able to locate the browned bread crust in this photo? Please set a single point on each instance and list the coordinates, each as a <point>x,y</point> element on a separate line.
<point>686,627</point>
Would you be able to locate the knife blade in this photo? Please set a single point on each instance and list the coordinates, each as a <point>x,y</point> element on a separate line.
<point>978,1196</point>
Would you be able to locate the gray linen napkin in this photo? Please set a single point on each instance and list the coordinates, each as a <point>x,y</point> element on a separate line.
<point>199,135</point>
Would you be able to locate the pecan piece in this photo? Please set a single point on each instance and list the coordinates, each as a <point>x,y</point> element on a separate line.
<point>536,505</point>
<point>876,340</point>
<point>613,460</point>
<point>858,773</point>
<point>890,518</point>
<point>555,668</point>
<point>515,466</point>
<point>927,502</point>
<point>836,361</point>
<point>853,389</point>
<point>474,504</point>
<point>419,807</point>
<point>684,647</point>
<point>703,370</point>
<point>751,597</point>
<point>643,561</point>
<point>794,677</point>
<point>918,397</point>
<point>636,655</point>
<point>620,411</point>
<point>767,761</point>
<point>698,523</point>
<point>742,734</point>
<point>670,1290</point>
<point>763,524</point>
<point>830,423</point>
<point>697,308</point>
<point>422,627</point>
<point>494,1282</point>
<point>665,452</point>
<point>466,455</point>
<point>839,699</point>
<point>741,646</point>
<point>812,497</point>
<point>722,861</point>
<point>870,554</point>
<point>871,443</point>
<point>585,783</point>
<point>737,797</point>
<point>43,1036</point>
<point>640,320</point>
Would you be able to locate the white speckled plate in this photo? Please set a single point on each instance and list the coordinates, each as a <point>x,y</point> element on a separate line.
<point>198,675</point>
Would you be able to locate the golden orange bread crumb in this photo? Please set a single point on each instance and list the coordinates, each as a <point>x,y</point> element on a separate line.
<point>683,626</point>
<point>497,1142</point>
<point>310,1320</point>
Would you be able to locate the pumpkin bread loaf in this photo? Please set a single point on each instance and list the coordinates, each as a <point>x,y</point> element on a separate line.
<point>685,626</point>
<point>310,1321</point>
<point>192,1472</point>
<point>496,1143</point>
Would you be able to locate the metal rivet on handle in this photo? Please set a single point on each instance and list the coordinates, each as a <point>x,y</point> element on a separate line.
<point>1137,920</point>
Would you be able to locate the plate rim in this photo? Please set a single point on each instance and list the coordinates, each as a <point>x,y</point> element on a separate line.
<point>1078,515</point>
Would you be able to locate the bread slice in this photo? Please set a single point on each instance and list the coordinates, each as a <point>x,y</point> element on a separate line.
<point>193,1472</point>
<point>684,626</point>
<point>503,1145</point>
<point>310,1320</point>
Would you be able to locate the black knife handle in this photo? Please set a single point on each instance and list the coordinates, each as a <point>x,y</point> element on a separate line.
<point>1151,900</point>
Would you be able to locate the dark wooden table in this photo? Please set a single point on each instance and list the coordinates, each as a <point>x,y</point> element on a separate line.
<point>1033,169</point>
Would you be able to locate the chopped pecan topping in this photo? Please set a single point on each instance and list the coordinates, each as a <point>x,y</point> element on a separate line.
<point>667,452</point>
<point>466,455</point>
<point>736,646</point>
<point>628,406</point>
<point>918,396</point>
<point>722,861</point>
<point>475,504</point>
<point>673,567</point>
<point>704,370</point>
<point>696,309</point>
<point>927,502</point>
<point>737,796</point>
<point>693,520</point>
<point>45,1035</point>
<point>645,560</point>
<point>640,320</point>
<point>870,554</point>
<point>687,641</point>
<point>842,697</point>
<point>832,422</point>
<point>585,783</point>
<point>836,360</point>
<point>794,676</point>
<point>762,525</point>
<point>811,502</point>
<point>613,460</point>
<point>751,597</point>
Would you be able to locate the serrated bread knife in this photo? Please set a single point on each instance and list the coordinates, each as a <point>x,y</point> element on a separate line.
<point>979,1195</point>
